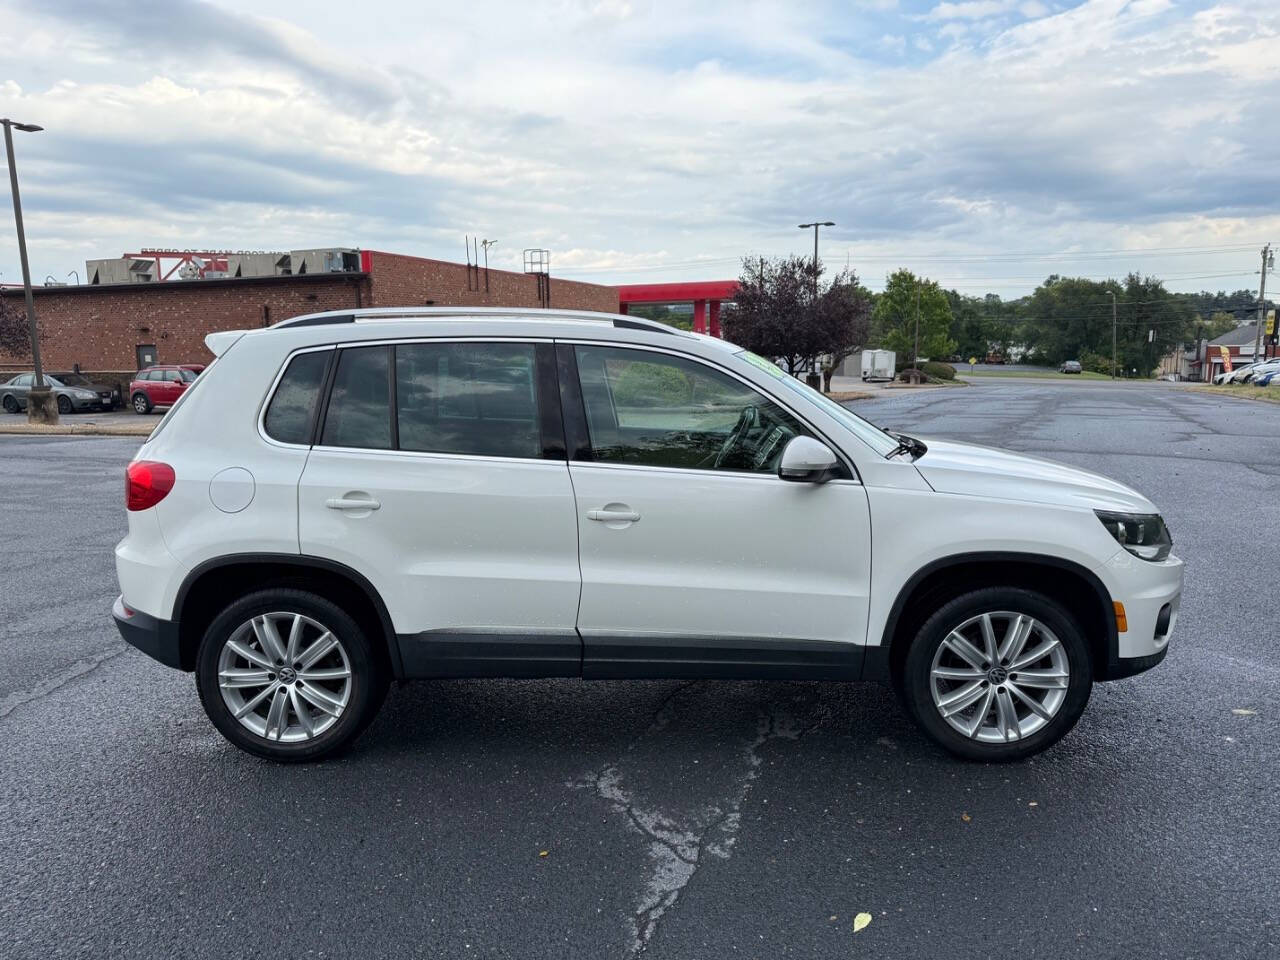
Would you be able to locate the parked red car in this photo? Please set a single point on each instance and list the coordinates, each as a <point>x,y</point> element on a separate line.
<point>161,385</point>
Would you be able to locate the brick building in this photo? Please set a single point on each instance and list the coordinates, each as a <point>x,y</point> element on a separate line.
<point>107,328</point>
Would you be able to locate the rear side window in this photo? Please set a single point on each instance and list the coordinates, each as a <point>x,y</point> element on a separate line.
<point>359,411</point>
<point>292,410</point>
<point>468,398</point>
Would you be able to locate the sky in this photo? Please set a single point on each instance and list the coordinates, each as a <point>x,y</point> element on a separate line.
<point>983,143</point>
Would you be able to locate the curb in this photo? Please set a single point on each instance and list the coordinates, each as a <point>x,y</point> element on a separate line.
<point>77,429</point>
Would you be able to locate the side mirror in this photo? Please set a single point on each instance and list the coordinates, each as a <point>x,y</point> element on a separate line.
<point>806,460</point>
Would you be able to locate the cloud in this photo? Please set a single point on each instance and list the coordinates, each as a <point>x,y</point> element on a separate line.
<point>967,10</point>
<point>629,135</point>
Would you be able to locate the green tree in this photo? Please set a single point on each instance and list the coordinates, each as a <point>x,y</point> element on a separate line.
<point>1067,318</point>
<point>894,317</point>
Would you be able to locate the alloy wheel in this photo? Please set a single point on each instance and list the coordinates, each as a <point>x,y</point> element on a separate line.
<point>999,676</point>
<point>284,677</point>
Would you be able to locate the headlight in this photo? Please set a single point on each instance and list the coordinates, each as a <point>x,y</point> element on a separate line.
<point>1142,534</point>
<point>86,394</point>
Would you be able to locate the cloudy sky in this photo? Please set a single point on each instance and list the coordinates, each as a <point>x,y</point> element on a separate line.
<point>983,142</point>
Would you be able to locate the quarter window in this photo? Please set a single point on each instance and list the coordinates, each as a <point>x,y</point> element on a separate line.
<point>292,409</point>
<point>468,398</point>
<point>359,411</point>
<point>665,411</point>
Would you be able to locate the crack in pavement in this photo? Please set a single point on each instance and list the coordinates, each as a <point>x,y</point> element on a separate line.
<point>679,838</point>
<point>80,668</point>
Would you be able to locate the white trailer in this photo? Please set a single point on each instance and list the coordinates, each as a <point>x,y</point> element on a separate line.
<point>878,364</point>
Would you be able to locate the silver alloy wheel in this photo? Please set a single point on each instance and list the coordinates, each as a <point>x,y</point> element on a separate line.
<point>999,676</point>
<point>140,404</point>
<point>284,677</point>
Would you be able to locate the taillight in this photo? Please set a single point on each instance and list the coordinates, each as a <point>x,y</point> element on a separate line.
<point>146,483</point>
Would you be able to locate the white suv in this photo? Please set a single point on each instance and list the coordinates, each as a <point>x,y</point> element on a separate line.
<point>345,499</point>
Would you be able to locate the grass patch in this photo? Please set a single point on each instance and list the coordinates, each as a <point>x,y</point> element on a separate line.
<point>1045,374</point>
<point>842,395</point>
<point>1245,391</point>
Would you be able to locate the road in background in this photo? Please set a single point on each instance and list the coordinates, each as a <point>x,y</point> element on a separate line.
<point>557,819</point>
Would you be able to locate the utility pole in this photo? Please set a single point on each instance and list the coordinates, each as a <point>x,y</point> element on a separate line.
<point>1113,333</point>
<point>915,354</point>
<point>40,405</point>
<point>1268,260</point>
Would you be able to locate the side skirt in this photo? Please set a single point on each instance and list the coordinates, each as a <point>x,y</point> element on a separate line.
<point>488,653</point>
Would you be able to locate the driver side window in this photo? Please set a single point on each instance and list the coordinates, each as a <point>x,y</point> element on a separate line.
<point>655,409</point>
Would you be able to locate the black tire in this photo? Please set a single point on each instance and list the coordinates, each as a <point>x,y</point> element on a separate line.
<point>915,681</point>
<point>64,404</point>
<point>369,679</point>
<point>141,403</point>
<point>10,404</point>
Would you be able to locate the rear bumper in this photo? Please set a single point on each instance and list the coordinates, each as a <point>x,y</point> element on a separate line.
<point>156,638</point>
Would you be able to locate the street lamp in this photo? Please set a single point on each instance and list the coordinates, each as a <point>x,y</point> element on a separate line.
<point>805,226</point>
<point>41,407</point>
<point>815,225</point>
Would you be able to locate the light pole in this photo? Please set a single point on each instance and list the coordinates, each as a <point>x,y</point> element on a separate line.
<point>1113,333</point>
<point>805,226</point>
<point>816,225</point>
<point>41,407</point>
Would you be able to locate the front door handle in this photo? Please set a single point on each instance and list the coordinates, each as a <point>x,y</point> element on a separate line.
<point>613,514</point>
<point>351,503</point>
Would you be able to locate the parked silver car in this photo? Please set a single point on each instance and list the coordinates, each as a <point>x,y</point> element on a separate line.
<point>13,395</point>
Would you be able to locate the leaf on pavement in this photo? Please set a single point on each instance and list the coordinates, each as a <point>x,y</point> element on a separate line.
<point>965,817</point>
<point>860,921</point>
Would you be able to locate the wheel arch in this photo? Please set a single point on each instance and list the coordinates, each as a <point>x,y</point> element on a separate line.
<point>1069,583</point>
<point>211,585</point>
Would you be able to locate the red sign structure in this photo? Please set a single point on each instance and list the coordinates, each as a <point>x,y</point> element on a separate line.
<point>703,294</point>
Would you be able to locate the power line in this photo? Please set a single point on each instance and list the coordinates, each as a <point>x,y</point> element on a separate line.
<point>988,257</point>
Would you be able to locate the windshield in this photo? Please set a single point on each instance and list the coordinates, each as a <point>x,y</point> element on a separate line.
<point>867,432</point>
<point>72,380</point>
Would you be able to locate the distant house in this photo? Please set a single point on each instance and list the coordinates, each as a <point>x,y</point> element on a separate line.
<point>1239,343</point>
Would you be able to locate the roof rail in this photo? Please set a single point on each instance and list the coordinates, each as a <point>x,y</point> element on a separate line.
<point>375,314</point>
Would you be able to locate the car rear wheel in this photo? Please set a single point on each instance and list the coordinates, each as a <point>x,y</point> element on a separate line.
<point>998,674</point>
<point>10,405</point>
<point>141,403</point>
<point>64,405</point>
<point>288,675</point>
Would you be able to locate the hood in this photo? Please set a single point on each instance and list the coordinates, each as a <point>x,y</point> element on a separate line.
<point>972,470</point>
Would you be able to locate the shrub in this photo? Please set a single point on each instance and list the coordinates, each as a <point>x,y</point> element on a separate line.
<point>937,370</point>
<point>1095,362</point>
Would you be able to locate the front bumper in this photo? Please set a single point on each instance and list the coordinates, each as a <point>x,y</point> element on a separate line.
<point>154,637</point>
<point>1151,594</point>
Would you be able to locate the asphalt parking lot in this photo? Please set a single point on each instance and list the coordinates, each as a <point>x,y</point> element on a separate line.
<point>566,819</point>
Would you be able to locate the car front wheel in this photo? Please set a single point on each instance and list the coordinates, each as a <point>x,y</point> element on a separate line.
<point>998,674</point>
<point>289,675</point>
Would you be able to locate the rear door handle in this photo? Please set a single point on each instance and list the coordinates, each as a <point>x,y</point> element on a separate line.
<point>351,503</point>
<point>607,515</point>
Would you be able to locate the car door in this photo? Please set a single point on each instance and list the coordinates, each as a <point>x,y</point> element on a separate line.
<point>171,386</point>
<point>440,476</point>
<point>697,559</point>
<point>20,386</point>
